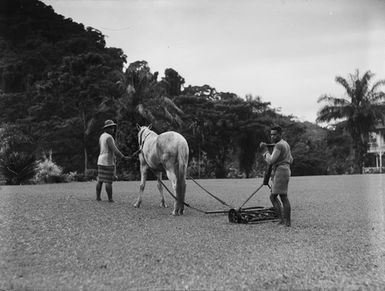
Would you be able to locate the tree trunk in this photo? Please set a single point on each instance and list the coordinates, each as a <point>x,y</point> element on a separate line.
<point>84,142</point>
<point>199,161</point>
<point>85,160</point>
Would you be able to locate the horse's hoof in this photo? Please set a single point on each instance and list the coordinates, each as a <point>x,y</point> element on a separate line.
<point>175,213</point>
<point>163,204</point>
<point>181,211</point>
<point>137,204</point>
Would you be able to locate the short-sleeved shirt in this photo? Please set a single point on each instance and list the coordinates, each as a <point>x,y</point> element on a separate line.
<point>108,150</point>
<point>281,154</point>
<point>281,159</point>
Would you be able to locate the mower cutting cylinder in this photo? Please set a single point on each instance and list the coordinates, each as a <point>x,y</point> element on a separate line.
<point>252,215</point>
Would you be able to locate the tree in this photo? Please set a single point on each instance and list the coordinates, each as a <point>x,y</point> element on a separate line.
<point>339,144</point>
<point>80,94</point>
<point>222,126</point>
<point>146,98</point>
<point>251,128</point>
<point>56,86</point>
<point>172,82</point>
<point>362,107</point>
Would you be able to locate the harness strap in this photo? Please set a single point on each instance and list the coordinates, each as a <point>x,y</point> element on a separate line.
<point>184,203</point>
<point>142,142</point>
<point>212,195</point>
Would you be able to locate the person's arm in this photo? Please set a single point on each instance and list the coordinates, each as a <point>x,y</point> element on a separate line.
<point>273,157</point>
<point>111,145</point>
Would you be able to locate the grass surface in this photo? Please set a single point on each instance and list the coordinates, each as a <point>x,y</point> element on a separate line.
<point>57,237</point>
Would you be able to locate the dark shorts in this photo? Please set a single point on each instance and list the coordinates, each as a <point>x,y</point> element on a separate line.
<point>106,173</point>
<point>281,180</point>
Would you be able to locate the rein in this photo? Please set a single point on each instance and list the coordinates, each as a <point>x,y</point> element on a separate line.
<point>140,139</point>
<point>141,143</point>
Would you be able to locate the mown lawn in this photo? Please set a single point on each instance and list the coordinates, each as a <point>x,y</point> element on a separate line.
<point>57,237</point>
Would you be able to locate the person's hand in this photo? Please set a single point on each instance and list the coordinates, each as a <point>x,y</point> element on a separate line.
<point>263,146</point>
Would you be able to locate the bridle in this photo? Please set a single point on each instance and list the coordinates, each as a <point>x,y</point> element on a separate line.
<point>141,142</point>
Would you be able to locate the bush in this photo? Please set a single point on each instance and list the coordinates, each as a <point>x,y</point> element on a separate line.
<point>48,172</point>
<point>79,177</point>
<point>17,168</point>
<point>70,177</point>
<point>91,174</point>
<point>129,176</point>
<point>203,169</point>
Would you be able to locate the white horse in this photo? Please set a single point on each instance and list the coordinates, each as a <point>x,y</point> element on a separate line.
<point>168,151</point>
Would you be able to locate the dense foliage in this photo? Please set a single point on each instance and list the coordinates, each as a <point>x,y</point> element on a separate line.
<point>59,83</point>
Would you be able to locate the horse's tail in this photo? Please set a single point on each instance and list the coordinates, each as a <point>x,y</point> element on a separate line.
<point>181,170</point>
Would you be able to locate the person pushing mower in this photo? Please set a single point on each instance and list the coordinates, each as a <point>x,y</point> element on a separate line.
<point>280,159</point>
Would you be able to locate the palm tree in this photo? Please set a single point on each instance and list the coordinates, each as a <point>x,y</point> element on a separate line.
<point>145,96</point>
<point>358,110</point>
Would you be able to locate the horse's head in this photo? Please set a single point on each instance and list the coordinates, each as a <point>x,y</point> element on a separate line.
<point>142,132</point>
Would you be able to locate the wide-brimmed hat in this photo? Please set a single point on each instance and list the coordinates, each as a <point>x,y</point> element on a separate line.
<point>109,123</point>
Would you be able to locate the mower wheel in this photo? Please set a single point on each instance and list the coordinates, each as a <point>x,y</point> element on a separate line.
<point>234,216</point>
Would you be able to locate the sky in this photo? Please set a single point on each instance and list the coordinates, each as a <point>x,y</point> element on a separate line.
<point>286,52</point>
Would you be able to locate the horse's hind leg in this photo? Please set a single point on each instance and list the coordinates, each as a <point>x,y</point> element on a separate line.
<point>160,188</point>
<point>178,207</point>
<point>143,178</point>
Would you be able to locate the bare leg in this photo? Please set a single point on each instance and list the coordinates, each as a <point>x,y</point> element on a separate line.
<point>98,190</point>
<point>286,209</point>
<point>160,188</point>
<point>109,191</point>
<point>143,178</point>
<point>277,206</point>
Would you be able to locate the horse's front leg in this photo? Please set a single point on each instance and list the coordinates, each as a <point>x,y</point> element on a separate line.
<point>160,188</point>
<point>143,178</point>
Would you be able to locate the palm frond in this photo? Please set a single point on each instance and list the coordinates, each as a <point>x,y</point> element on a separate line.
<point>342,81</point>
<point>170,103</point>
<point>365,80</point>
<point>328,113</point>
<point>145,113</point>
<point>168,115</point>
<point>90,124</point>
<point>375,86</point>
<point>178,120</point>
<point>377,98</point>
<point>362,86</point>
<point>333,100</point>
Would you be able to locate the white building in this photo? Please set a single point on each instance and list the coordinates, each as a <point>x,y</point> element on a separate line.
<point>377,147</point>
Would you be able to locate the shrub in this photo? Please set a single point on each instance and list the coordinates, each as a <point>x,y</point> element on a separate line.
<point>70,177</point>
<point>129,176</point>
<point>90,174</point>
<point>48,172</point>
<point>79,177</point>
<point>17,168</point>
<point>203,169</point>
